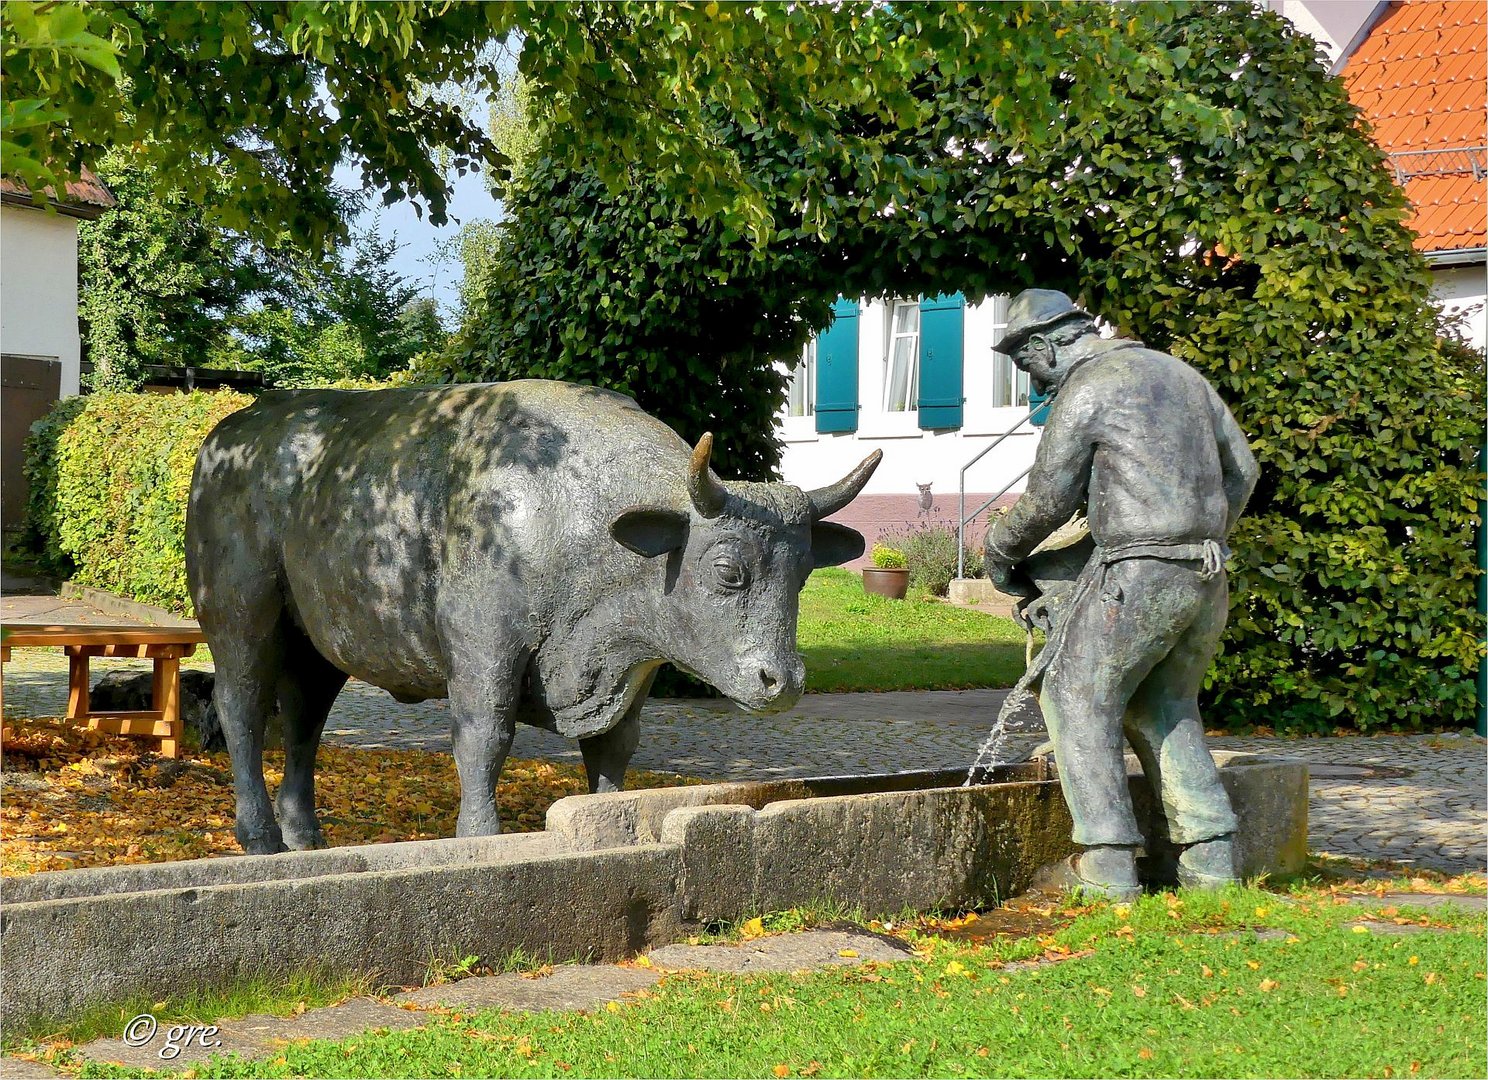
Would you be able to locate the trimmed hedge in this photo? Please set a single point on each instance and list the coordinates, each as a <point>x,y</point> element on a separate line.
<point>1224,203</point>
<point>110,474</point>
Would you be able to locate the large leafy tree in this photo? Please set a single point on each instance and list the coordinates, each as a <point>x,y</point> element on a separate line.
<point>275,93</point>
<point>1191,173</point>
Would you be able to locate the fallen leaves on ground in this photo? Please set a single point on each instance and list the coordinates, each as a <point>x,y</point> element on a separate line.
<point>1023,916</point>
<point>76,798</point>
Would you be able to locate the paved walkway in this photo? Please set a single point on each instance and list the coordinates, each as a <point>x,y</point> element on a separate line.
<point>1414,799</point>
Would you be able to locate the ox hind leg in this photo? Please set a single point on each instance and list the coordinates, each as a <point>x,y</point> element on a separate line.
<point>307,687</point>
<point>607,755</point>
<point>247,651</point>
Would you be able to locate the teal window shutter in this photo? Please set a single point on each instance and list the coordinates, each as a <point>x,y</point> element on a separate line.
<point>1037,407</point>
<point>942,360</point>
<point>837,370</point>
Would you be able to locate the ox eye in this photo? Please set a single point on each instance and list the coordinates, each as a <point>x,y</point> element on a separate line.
<point>730,572</point>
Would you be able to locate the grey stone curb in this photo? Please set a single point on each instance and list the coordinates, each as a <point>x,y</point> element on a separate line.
<point>1469,901</point>
<point>787,952</point>
<point>570,988</point>
<point>20,1069</point>
<point>129,609</point>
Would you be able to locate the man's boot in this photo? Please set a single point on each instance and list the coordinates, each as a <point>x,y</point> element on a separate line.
<point>1209,864</point>
<point>1105,871</point>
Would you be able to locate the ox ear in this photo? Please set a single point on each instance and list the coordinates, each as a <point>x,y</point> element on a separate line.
<point>650,530</point>
<point>833,544</point>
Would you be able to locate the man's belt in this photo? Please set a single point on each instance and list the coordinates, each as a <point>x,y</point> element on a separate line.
<point>1212,553</point>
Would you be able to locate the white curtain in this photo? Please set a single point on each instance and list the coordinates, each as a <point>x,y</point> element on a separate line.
<point>803,383</point>
<point>1009,385</point>
<point>901,387</point>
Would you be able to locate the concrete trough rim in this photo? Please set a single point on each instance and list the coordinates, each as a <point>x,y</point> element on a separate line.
<point>286,866</point>
<point>552,853</point>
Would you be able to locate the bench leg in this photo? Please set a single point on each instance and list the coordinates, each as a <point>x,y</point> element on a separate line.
<point>168,702</point>
<point>77,696</point>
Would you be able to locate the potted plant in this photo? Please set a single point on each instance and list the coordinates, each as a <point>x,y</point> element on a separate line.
<point>889,574</point>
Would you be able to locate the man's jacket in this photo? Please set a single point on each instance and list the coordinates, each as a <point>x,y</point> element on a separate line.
<point>1142,443</point>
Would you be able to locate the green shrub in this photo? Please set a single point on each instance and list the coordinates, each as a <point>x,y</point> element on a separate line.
<point>110,474</point>
<point>888,558</point>
<point>930,553</point>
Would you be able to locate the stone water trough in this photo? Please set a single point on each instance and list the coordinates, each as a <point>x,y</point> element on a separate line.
<point>612,875</point>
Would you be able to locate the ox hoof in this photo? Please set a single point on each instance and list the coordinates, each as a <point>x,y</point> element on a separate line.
<point>269,842</point>
<point>304,839</point>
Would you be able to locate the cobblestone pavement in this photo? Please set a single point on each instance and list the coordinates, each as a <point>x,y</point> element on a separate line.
<point>1420,799</point>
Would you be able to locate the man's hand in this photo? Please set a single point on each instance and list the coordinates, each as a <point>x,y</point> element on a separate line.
<point>1000,573</point>
<point>1001,569</point>
<point>1032,613</point>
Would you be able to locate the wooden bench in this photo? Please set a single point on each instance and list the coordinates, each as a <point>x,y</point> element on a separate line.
<point>165,646</point>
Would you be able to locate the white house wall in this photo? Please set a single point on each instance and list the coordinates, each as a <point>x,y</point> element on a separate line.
<point>1463,290</point>
<point>893,499</point>
<point>38,288</point>
<point>913,456</point>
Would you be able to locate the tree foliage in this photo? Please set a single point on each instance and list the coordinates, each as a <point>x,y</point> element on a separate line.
<point>160,283</point>
<point>1190,172</point>
<point>276,93</point>
<point>109,475</point>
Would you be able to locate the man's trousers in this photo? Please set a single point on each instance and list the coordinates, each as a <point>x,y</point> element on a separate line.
<point>1131,655</point>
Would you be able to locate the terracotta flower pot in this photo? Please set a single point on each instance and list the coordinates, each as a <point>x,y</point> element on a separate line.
<point>892,582</point>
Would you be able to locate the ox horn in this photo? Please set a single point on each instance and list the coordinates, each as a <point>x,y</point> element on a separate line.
<point>829,500</point>
<point>707,493</point>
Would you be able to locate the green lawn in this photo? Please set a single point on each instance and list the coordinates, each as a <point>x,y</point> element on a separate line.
<point>1172,986</point>
<point>854,641</point>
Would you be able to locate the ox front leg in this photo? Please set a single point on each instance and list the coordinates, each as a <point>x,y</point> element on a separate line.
<point>607,756</point>
<point>483,705</point>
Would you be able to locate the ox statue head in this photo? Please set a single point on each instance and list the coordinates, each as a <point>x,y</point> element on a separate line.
<point>735,562</point>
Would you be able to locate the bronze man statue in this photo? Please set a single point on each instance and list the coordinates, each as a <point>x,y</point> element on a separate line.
<point>1142,444</point>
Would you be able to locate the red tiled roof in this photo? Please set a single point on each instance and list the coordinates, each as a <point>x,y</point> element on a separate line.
<point>86,196</point>
<point>1421,79</point>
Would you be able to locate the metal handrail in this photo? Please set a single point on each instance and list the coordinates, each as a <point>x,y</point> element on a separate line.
<point>962,516</point>
<point>961,532</point>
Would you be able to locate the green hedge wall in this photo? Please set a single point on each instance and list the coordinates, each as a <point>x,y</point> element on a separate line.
<point>110,474</point>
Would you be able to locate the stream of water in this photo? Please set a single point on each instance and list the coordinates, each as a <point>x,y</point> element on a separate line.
<point>989,754</point>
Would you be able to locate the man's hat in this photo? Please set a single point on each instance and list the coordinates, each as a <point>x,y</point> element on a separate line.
<point>1033,310</point>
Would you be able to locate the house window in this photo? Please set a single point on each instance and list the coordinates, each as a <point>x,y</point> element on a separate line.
<point>802,398</point>
<point>902,364</point>
<point>1009,385</point>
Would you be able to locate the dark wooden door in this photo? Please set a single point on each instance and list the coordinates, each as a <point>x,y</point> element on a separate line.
<point>28,387</point>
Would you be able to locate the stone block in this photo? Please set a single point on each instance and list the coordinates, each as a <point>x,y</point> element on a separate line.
<point>882,851</point>
<point>63,955</point>
<point>570,987</point>
<point>982,593</point>
<point>787,952</point>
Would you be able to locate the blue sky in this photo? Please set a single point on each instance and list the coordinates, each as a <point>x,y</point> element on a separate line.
<point>417,238</point>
